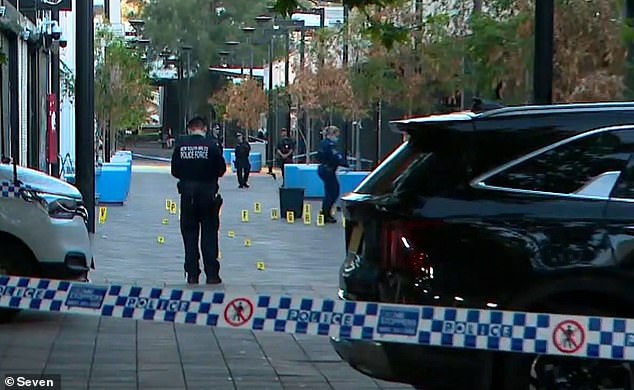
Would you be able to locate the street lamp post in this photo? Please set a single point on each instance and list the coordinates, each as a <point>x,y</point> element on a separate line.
<point>233,44</point>
<point>249,31</point>
<point>263,19</point>
<point>187,50</point>
<point>544,47</point>
<point>85,108</point>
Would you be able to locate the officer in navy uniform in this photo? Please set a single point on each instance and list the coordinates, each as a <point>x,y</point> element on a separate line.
<point>329,160</point>
<point>243,166</point>
<point>285,149</point>
<point>197,163</point>
<point>214,135</point>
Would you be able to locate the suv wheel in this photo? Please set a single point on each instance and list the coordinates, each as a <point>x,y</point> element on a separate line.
<point>544,372</point>
<point>14,260</point>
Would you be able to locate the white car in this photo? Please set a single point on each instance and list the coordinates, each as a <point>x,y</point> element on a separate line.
<point>43,227</point>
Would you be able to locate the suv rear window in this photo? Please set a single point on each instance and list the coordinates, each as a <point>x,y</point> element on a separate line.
<point>381,180</point>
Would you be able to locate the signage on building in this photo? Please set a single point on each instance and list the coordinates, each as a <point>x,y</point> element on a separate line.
<point>60,5</point>
<point>52,128</point>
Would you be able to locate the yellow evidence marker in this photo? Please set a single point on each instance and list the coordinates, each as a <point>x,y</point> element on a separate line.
<point>275,214</point>
<point>173,208</point>
<point>168,204</point>
<point>307,218</point>
<point>257,208</point>
<point>260,265</point>
<point>290,217</point>
<point>161,239</point>
<point>320,220</point>
<point>103,215</point>
<point>307,208</point>
<point>247,242</point>
<point>165,221</point>
<point>245,215</point>
<point>231,234</point>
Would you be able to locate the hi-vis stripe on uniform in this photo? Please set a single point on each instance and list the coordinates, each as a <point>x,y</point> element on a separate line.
<point>533,333</point>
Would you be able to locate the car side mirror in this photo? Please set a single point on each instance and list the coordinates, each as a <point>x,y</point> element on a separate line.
<point>600,186</point>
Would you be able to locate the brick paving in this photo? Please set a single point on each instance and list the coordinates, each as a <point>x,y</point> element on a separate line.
<point>107,353</point>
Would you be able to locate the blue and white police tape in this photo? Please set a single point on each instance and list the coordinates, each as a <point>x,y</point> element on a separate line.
<point>533,333</point>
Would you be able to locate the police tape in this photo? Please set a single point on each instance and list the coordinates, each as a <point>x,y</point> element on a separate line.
<point>492,330</point>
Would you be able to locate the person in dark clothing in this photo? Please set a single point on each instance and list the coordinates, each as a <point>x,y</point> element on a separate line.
<point>285,149</point>
<point>214,135</point>
<point>198,164</point>
<point>243,166</point>
<point>329,160</point>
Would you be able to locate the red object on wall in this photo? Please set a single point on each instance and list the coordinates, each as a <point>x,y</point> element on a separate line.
<point>52,131</point>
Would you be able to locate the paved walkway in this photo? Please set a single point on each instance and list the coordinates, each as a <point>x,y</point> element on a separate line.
<point>111,353</point>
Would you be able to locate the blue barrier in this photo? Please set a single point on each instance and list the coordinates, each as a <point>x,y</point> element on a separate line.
<point>305,176</point>
<point>228,155</point>
<point>112,182</point>
<point>254,158</point>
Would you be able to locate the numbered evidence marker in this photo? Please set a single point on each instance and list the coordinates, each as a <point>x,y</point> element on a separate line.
<point>161,239</point>
<point>257,207</point>
<point>307,217</point>
<point>307,208</point>
<point>245,215</point>
<point>173,208</point>
<point>103,215</point>
<point>320,220</point>
<point>275,214</point>
<point>247,242</point>
<point>165,221</point>
<point>168,204</point>
<point>260,265</point>
<point>231,234</point>
<point>290,217</point>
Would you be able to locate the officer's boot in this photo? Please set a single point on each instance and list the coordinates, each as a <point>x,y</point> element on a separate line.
<point>328,218</point>
<point>192,279</point>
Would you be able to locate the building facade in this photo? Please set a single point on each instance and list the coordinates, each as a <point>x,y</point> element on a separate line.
<point>26,44</point>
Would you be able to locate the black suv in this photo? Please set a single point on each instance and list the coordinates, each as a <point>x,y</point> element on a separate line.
<point>521,208</point>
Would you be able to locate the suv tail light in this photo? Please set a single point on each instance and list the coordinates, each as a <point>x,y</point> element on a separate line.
<point>404,247</point>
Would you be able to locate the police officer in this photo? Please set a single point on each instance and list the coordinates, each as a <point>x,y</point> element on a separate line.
<point>243,166</point>
<point>329,160</point>
<point>285,150</point>
<point>214,135</point>
<point>198,164</point>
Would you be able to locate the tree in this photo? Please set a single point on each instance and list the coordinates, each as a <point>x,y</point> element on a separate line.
<point>380,30</point>
<point>122,86</point>
<point>205,25</point>
<point>246,102</point>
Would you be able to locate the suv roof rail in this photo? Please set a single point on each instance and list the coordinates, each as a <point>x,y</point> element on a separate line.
<point>480,105</point>
<point>553,107</point>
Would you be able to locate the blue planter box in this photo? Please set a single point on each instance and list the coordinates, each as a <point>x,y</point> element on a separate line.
<point>112,182</point>
<point>254,158</point>
<point>227,154</point>
<point>305,176</point>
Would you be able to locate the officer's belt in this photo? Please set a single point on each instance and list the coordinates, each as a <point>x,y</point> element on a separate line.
<point>196,187</point>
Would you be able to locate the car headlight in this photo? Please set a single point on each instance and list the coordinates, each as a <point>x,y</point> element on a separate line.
<point>60,207</point>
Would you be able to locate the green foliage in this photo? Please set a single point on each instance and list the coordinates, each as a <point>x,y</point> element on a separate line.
<point>122,85</point>
<point>205,26</point>
<point>386,33</point>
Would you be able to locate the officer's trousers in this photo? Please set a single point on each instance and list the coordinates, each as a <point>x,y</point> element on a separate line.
<point>200,221</point>
<point>331,188</point>
<point>242,169</point>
